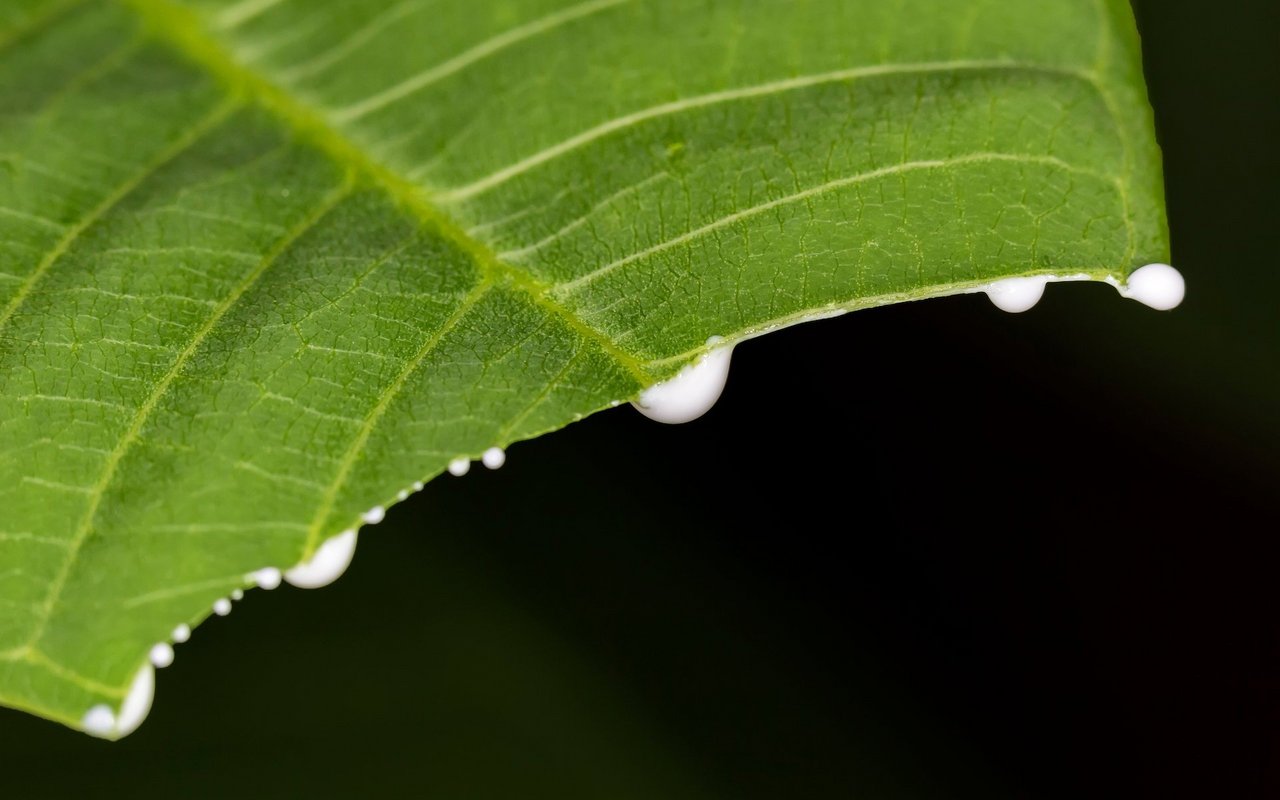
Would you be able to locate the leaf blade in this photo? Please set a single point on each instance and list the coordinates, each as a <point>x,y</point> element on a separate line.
<point>274,298</point>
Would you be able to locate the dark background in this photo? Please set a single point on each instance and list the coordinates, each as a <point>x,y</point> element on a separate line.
<point>924,551</point>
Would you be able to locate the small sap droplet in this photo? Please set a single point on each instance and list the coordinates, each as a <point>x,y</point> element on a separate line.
<point>494,457</point>
<point>138,701</point>
<point>327,564</point>
<point>459,467</point>
<point>417,486</point>
<point>222,606</point>
<point>99,721</point>
<point>237,594</point>
<point>374,515</point>
<point>692,392</point>
<point>161,654</point>
<point>1159,286</point>
<point>182,633</point>
<point>1016,295</point>
<point>403,494</point>
<point>267,577</point>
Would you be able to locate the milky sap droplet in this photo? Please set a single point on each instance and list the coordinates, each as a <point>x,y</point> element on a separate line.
<point>268,578</point>
<point>182,633</point>
<point>374,515</point>
<point>137,703</point>
<point>222,606</point>
<point>161,655</point>
<point>104,723</point>
<point>1159,286</point>
<point>1017,295</point>
<point>237,594</point>
<point>692,392</point>
<point>327,564</point>
<point>459,467</point>
<point>494,458</point>
<point>99,721</point>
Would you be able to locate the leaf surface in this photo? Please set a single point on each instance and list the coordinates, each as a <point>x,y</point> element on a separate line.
<point>266,264</point>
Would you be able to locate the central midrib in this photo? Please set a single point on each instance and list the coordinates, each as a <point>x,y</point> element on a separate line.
<point>185,31</point>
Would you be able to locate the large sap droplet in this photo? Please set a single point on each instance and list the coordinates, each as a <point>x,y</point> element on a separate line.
<point>1017,295</point>
<point>1159,286</point>
<point>104,723</point>
<point>692,392</point>
<point>137,703</point>
<point>327,564</point>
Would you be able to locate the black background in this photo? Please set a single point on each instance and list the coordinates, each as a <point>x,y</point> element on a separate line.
<point>923,551</point>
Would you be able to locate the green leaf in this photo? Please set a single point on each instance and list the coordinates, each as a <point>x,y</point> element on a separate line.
<point>266,264</point>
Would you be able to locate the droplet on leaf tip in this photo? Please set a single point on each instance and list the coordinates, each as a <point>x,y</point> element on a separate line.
<point>1158,286</point>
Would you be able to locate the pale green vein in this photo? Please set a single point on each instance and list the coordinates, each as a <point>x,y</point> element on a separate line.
<point>177,148</point>
<point>365,34</point>
<point>133,433</point>
<point>897,169</point>
<point>182,29</point>
<point>240,13</point>
<point>160,595</point>
<point>352,454</point>
<point>501,176</point>
<point>471,56</point>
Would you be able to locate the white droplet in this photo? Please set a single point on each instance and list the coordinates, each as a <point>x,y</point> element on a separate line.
<point>267,577</point>
<point>327,564</point>
<point>222,606</point>
<point>182,633</point>
<point>99,721</point>
<point>374,515</point>
<point>137,702</point>
<point>417,486</point>
<point>237,594</point>
<point>1159,286</point>
<point>1017,295</point>
<point>403,494</point>
<point>692,392</point>
<point>494,458</point>
<point>459,467</point>
<point>162,654</point>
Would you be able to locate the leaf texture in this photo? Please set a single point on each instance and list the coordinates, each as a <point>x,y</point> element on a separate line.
<point>266,264</point>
